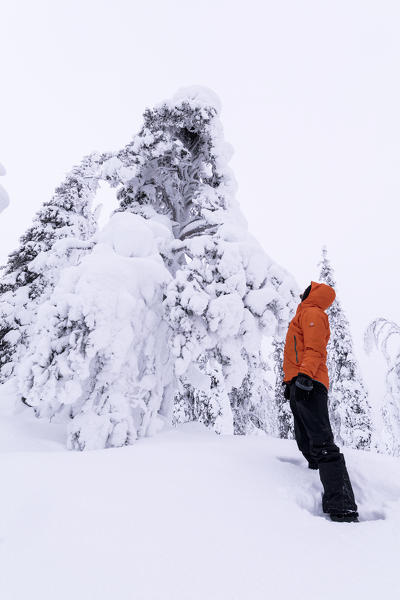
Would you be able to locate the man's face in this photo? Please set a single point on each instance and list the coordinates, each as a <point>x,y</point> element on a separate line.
<point>305,293</point>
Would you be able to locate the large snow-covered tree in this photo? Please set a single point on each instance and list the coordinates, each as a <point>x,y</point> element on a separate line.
<point>222,294</point>
<point>175,170</point>
<point>349,408</point>
<point>225,291</point>
<point>57,237</point>
<point>385,335</point>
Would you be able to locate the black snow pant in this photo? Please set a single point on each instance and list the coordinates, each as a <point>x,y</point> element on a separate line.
<point>315,440</point>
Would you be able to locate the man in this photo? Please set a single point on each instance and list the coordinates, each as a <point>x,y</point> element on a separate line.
<point>307,383</point>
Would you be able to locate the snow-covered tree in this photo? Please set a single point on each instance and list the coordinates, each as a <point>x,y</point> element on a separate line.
<point>225,292</point>
<point>385,335</point>
<point>4,200</point>
<point>222,294</point>
<point>57,237</point>
<point>101,353</point>
<point>349,408</point>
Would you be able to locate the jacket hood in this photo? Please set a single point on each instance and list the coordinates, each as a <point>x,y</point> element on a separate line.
<point>321,295</point>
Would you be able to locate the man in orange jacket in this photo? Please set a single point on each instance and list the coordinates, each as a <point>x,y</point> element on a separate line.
<point>307,383</point>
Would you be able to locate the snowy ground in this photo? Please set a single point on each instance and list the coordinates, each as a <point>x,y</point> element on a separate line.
<point>186,515</point>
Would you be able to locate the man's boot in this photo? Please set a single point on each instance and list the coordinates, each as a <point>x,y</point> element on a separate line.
<point>350,516</point>
<point>346,516</point>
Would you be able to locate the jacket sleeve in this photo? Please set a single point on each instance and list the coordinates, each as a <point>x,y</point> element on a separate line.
<point>314,329</point>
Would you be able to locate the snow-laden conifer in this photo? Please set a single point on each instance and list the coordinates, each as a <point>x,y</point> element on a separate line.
<point>58,236</point>
<point>385,335</point>
<point>101,357</point>
<point>222,294</point>
<point>350,411</point>
<point>225,293</point>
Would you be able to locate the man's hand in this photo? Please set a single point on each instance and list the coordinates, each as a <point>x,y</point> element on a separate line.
<point>286,391</point>
<point>304,382</point>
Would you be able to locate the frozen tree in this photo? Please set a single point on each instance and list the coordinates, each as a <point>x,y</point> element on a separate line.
<point>99,356</point>
<point>222,294</point>
<point>225,292</point>
<point>4,201</point>
<point>385,335</point>
<point>349,408</point>
<point>58,236</point>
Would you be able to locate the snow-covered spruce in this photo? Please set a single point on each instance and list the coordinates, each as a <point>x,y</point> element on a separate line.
<point>221,295</point>
<point>350,411</point>
<point>57,237</point>
<point>102,348</point>
<point>385,335</point>
<point>226,293</point>
<point>4,200</point>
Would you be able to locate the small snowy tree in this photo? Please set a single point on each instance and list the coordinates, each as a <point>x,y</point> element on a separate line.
<point>385,335</point>
<point>101,352</point>
<point>57,237</point>
<point>4,200</point>
<point>349,408</point>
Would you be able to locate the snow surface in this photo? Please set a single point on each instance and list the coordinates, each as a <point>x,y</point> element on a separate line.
<point>185,515</point>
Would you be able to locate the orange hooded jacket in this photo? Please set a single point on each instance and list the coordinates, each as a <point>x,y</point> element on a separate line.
<point>308,335</point>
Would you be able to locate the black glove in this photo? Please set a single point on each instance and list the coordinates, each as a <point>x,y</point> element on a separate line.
<point>286,391</point>
<point>304,382</point>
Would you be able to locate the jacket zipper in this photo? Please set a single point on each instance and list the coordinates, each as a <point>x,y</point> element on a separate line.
<point>295,349</point>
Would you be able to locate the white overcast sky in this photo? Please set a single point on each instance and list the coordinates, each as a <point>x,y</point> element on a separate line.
<point>311,104</point>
